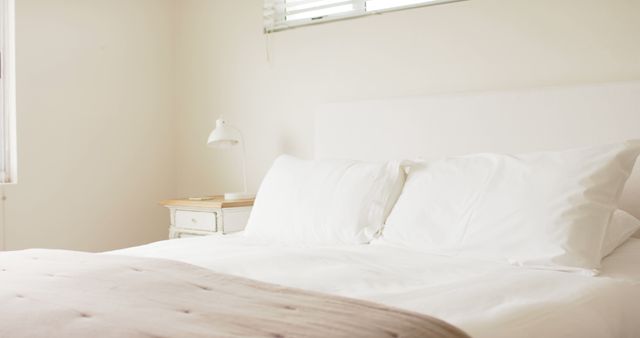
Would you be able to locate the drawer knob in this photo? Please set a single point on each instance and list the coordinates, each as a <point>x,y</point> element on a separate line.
<point>193,220</point>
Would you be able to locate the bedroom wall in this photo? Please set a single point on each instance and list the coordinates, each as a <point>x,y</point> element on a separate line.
<point>95,116</point>
<point>116,97</point>
<point>467,46</point>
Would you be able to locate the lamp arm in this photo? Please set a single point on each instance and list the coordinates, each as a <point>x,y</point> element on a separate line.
<point>244,160</point>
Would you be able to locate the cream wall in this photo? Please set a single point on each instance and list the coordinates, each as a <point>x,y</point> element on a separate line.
<point>465,46</point>
<point>116,97</point>
<point>95,124</point>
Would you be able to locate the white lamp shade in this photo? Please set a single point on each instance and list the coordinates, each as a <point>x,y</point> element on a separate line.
<point>223,136</point>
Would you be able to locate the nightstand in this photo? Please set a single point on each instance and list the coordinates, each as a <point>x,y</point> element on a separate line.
<point>208,217</point>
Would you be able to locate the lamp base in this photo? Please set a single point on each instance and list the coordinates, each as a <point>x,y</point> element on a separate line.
<point>234,196</point>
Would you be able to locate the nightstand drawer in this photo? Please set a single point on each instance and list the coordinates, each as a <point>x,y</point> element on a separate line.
<point>211,216</point>
<point>196,220</point>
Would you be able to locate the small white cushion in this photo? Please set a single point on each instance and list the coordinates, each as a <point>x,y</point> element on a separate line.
<point>546,210</point>
<point>324,202</point>
<point>623,225</point>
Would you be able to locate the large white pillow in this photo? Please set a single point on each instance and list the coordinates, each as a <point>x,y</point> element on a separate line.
<point>623,225</point>
<point>546,210</point>
<point>324,202</point>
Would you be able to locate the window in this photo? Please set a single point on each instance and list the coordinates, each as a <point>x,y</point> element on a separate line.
<point>283,14</point>
<point>7,94</point>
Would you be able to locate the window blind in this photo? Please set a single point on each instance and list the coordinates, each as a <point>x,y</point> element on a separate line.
<point>284,14</point>
<point>7,93</point>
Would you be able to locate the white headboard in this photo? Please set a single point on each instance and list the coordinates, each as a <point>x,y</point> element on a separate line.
<point>510,121</point>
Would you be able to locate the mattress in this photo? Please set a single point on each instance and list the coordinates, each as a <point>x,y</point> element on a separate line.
<point>485,299</point>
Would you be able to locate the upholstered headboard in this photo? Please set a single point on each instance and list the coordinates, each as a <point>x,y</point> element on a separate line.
<point>510,121</point>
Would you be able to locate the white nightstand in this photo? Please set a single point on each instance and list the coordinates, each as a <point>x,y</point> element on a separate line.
<point>201,218</point>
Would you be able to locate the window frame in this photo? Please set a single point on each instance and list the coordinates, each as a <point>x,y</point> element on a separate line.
<point>8,154</point>
<point>275,14</point>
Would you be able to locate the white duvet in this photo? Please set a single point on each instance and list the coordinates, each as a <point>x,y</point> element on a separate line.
<point>483,298</point>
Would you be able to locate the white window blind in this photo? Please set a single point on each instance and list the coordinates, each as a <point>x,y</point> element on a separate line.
<point>7,93</point>
<point>283,14</point>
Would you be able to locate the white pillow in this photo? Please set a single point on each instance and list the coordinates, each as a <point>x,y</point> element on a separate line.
<point>623,225</point>
<point>324,202</point>
<point>547,210</point>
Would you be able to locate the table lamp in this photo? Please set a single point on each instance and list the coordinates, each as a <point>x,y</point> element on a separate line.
<point>225,137</point>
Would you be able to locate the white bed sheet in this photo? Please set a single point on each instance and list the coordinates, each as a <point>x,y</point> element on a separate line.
<point>483,298</point>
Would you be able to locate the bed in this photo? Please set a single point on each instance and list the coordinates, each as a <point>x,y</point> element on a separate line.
<point>483,299</point>
<point>240,286</point>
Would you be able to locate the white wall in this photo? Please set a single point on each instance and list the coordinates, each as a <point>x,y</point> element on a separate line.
<point>465,46</point>
<point>110,121</point>
<point>95,124</point>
